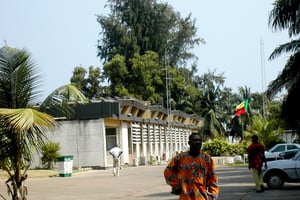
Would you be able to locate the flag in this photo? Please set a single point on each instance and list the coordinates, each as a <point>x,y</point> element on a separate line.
<point>242,108</point>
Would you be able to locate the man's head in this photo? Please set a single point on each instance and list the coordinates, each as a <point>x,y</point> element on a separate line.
<point>254,138</point>
<point>195,142</point>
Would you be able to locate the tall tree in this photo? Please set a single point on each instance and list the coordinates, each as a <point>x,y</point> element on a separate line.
<point>117,74</point>
<point>285,15</point>
<point>211,86</point>
<point>216,103</point>
<point>89,83</point>
<point>147,73</point>
<point>79,78</point>
<point>95,78</point>
<point>134,29</point>
<point>136,26</point>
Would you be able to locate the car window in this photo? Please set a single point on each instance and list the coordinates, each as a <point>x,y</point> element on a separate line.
<point>290,146</point>
<point>279,148</point>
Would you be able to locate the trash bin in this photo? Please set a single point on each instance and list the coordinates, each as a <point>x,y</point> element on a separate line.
<point>65,166</point>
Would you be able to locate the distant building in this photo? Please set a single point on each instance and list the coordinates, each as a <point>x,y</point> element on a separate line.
<point>146,133</point>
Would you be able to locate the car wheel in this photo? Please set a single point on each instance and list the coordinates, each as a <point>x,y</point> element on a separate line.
<point>275,181</point>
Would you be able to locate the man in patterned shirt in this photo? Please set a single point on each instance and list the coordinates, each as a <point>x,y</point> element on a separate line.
<point>193,173</point>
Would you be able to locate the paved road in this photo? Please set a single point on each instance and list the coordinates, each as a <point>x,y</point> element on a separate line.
<point>145,183</point>
<point>236,183</point>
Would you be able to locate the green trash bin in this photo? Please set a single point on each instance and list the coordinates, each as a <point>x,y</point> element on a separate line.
<point>65,166</point>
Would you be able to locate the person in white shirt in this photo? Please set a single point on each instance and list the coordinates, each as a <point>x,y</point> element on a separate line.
<point>116,152</point>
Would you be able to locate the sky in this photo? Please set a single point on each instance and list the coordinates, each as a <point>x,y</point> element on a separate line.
<point>61,35</point>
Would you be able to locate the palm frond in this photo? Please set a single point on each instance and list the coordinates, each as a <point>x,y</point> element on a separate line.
<point>26,119</point>
<point>66,93</point>
<point>59,102</point>
<point>289,75</point>
<point>285,48</point>
<point>18,78</point>
<point>285,15</point>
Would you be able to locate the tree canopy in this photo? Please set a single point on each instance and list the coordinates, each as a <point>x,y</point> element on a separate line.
<point>135,26</point>
<point>285,16</point>
<point>141,42</point>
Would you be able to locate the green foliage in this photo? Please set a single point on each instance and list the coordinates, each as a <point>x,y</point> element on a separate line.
<point>285,16</point>
<point>212,127</point>
<point>139,26</point>
<point>141,42</point>
<point>59,102</point>
<point>220,147</point>
<point>117,72</point>
<point>50,152</point>
<point>88,83</point>
<point>147,73</point>
<point>79,78</point>
<point>22,128</point>
<point>216,103</point>
<point>274,109</point>
<point>290,107</point>
<point>267,131</point>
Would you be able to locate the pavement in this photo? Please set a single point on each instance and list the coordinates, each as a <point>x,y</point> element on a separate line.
<point>144,183</point>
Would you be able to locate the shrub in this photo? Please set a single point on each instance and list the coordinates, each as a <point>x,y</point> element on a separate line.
<point>219,147</point>
<point>49,154</point>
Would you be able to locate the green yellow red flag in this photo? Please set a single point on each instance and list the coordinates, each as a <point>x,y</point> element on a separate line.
<point>242,108</point>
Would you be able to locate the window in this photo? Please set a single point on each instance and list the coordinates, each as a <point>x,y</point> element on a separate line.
<point>279,148</point>
<point>290,146</point>
<point>111,138</point>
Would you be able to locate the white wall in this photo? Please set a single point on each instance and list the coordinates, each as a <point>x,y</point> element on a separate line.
<point>83,139</point>
<point>124,142</point>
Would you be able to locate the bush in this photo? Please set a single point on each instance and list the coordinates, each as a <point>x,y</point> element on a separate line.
<point>219,147</point>
<point>49,154</point>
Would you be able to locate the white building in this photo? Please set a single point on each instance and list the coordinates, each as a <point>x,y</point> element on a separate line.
<point>146,133</point>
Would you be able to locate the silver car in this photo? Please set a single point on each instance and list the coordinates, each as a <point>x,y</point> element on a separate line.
<point>280,171</point>
<point>273,153</point>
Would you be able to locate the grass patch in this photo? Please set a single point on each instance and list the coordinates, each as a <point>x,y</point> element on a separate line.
<point>32,173</point>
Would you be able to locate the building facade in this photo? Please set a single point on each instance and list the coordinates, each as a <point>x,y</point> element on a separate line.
<point>146,133</point>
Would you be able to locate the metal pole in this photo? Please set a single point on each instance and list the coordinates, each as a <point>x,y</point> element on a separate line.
<point>263,74</point>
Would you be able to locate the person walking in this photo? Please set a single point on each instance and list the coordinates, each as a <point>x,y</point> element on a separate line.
<point>116,153</point>
<point>256,158</point>
<point>191,174</point>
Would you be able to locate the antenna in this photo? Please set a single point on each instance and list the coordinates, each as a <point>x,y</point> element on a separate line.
<point>169,132</point>
<point>263,74</point>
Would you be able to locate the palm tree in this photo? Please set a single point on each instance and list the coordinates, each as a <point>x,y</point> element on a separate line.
<point>285,15</point>
<point>267,131</point>
<point>212,127</point>
<point>59,102</point>
<point>22,127</point>
<point>214,103</point>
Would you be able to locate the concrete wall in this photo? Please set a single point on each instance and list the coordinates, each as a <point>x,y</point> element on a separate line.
<point>83,139</point>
